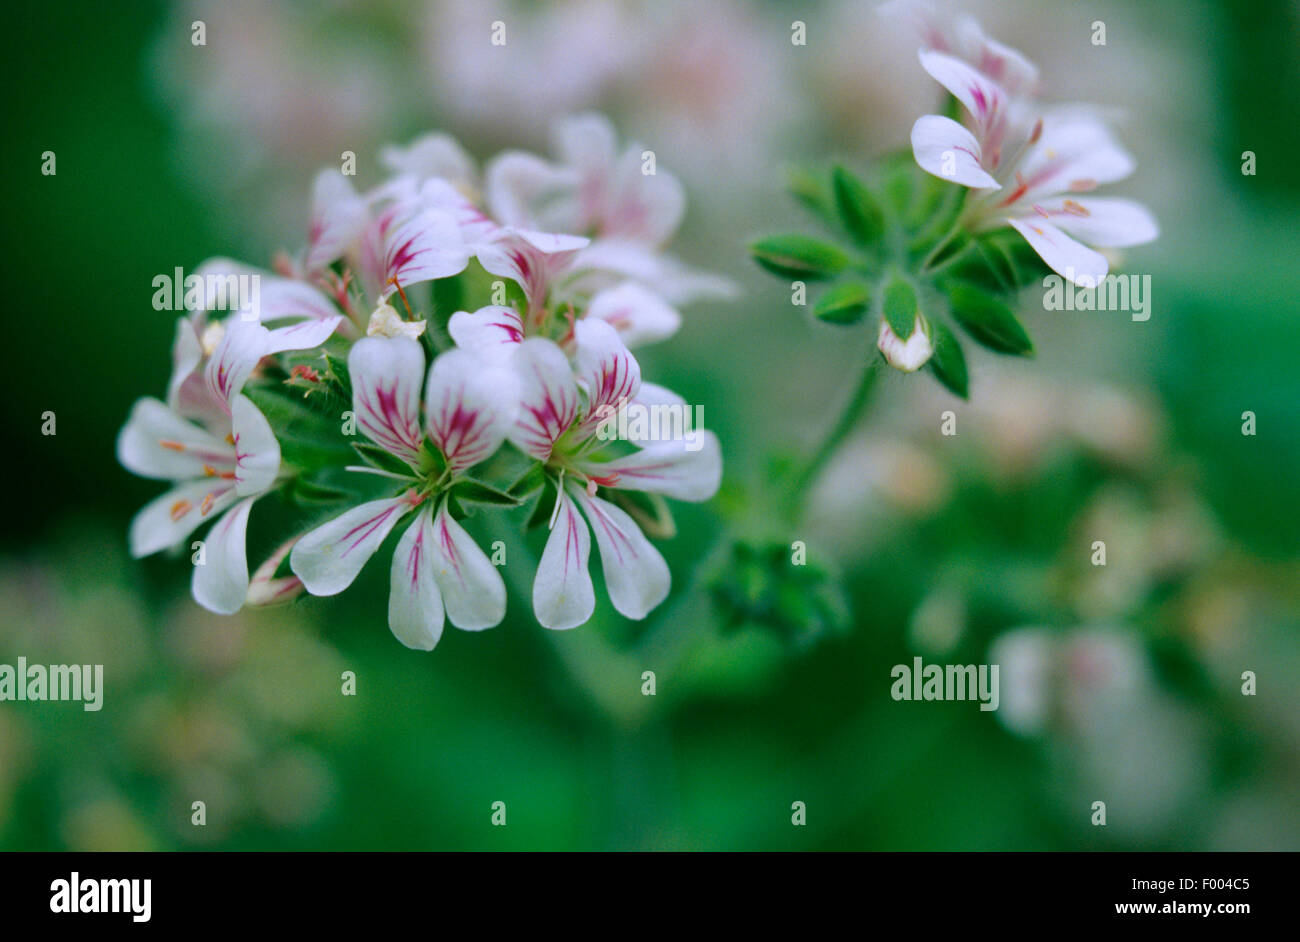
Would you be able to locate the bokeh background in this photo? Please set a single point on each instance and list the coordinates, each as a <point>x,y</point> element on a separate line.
<point>1119,684</point>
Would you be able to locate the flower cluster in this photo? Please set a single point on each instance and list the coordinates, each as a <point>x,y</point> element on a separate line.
<point>1019,211</point>
<point>276,396</point>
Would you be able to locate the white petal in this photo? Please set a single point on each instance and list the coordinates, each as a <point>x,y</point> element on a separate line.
<point>563,596</point>
<point>983,97</point>
<point>585,142</point>
<point>425,245</point>
<point>472,588</point>
<point>548,396</point>
<point>606,370</point>
<point>907,355</point>
<point>415,612</point>
<point>329,558</point>
<point>476,227</point>
<point>491,328</point>
<point>661,405</point>
<point>641,207</point>
<point>158,443</point>
<point>1075,153</point>
<point>242,346</point>
<point>1069,259</point>
<point>947,150</point>
<point>519,185</point>
<point>686,469</point>
<point>166,520</point>
<point>1105,221</point>
<point>636,576</point>
<point>639,315</point>
<point>337,218</point>
<point>431,155</point>
<point>306,335</point>
<point>470,406</point>
<point>530,258</point>
<point>387,373</point>
<point>187,351</point>
<point>257,453</point>
<point>221,584</point>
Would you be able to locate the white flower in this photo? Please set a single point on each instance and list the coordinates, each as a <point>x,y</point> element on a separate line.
<point>219,467</point>
<point>1028,170</point>
<point>438,571</point>
<point>557,421</point>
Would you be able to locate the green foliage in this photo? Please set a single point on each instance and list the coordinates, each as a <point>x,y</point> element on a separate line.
<point>799,256</point>
<point>845,303</point>
<point>948,362</point>
<point>988,320</point>
<point>899,238</point>
<point>762,586</point>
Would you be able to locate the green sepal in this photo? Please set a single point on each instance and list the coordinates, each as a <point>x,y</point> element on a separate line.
<point>988,320</point>
<point>843,304</point>
<point>799,256</point>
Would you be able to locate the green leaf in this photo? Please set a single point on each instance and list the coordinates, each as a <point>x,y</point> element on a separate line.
<point>531,480</point>
<point>799,256</point>
<point>900,306</point>
<point>844,303</point>
<point>858,208</point>
<point>811,190</point>
<point>479,493</point>
<point>948,362</point>
<point>377,457</point>
<point>304,491</point>
<point>988,320</point>
<point>541,514</point>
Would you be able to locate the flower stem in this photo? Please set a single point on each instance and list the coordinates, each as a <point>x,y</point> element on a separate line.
<point>844,423</point>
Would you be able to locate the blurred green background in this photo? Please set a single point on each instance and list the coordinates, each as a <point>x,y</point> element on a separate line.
<point>971,549</point>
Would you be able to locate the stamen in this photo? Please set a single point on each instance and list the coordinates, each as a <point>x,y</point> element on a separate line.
<point>180,509</point>
<point>173,446</point>
<point>206,505</point>
<point>1074,209</point>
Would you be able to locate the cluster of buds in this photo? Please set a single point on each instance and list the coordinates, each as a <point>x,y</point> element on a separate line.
<point>1020,209</point>
<point>496,404</point>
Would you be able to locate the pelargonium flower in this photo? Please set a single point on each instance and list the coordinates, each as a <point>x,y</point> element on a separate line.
<point>364,250</point>
<point>219,464</point>
<point>437,567</point>
<point>557,424</point>
<point>1029,168</point>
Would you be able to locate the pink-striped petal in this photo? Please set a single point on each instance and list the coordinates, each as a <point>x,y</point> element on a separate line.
<point>337,217</point>
<point>470,406</point>
<point>636,576</point>
<point>945,149</point>
<point>415,610</point>
<point>387,373</point>
<point>422,247</point>
<point>492,329</point>
<point>472,589</point>
<point>606,370</point>
<point>687,469</point>
<point>328,559</point>
<point>257,453</point>
<point>547,396</point>
<point>563,595</point>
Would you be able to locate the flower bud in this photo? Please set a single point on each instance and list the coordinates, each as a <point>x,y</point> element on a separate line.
<point>910,355</point>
